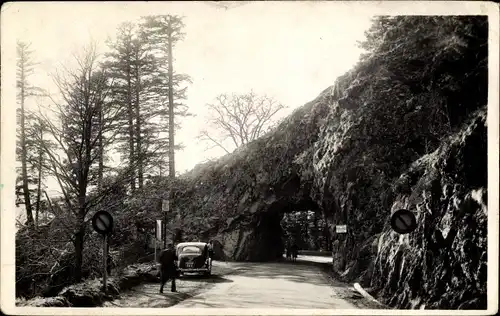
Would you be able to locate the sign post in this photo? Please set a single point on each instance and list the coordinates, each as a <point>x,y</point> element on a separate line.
<point>105,263</point>
<point>103,223</point>
<point>165,207</point>
<point>158,234</point>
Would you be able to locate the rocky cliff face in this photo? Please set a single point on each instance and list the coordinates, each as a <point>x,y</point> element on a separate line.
<point>404,129</point>
<point>442,264</point>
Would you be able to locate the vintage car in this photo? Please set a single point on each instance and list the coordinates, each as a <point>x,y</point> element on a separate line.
<point>194,257</point>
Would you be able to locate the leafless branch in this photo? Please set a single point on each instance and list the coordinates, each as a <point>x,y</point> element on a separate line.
<point>241,118</point>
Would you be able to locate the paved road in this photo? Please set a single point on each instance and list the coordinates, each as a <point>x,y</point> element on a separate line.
<point>249,285</point>
<point>271,285</point>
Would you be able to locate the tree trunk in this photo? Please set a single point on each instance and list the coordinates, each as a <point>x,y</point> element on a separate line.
<point>171,121</point>
<point>326,235</point>
<point>78,243</point>
<point>39,186</point>
<point>83,172</point>
<point>100,169</point>
<point>171,127</point>
<point>27,202</point>
<point>130,130</point>
<point>79,237</point>
<point>140,167</point>
<point>48,201</point>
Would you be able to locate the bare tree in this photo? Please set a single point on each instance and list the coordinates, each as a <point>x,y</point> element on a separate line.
<point>82,120</point>
<point>238,119</point>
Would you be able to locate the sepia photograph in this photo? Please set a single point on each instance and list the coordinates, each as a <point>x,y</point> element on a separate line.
<point>249,157</point>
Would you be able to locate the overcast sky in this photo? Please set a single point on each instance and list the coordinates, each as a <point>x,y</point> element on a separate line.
<point>291,51</point>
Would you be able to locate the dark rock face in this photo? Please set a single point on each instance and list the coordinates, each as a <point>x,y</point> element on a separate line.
<point>404,128</point>
<point>442,264</point>
<point>218,251</point>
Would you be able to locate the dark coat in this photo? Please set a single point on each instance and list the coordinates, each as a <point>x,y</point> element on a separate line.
<point>168,259</point>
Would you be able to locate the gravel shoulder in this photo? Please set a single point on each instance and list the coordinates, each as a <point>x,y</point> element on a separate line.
<point>348,292</point>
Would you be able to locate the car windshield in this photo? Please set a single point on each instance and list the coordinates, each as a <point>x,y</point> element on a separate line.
<point>191,249</point>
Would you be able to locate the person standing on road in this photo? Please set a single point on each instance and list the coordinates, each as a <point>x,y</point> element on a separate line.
<point>168,258</point>
<point>295,251</point>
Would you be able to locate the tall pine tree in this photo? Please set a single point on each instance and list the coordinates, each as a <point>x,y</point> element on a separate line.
<point>27,148</point>
<point>119,65</point>
<point>163,32</point>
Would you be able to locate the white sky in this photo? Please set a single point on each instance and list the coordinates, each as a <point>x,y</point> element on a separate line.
<point>291,51</point>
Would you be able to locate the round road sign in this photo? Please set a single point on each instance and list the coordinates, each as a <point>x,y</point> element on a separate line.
<point>403,221</point>
<point>102,222</point>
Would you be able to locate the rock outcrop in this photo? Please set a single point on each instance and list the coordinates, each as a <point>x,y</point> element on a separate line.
<point>442,264</point>
<point>405,128</point>
<point>239,199</point>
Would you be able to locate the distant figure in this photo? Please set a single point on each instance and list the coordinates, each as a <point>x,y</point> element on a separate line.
<point>168,258</point>
<point>288,252</point>
<point>206,252</point>
<point>210,250</point>
<point>295,252</point>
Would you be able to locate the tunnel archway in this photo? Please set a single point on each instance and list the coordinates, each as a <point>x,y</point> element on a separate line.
<point>268,242</point>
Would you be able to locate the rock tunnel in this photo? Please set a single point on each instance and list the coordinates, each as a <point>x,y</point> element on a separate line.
<point>260,237</point>
<point>269,235</point>
<point>240,199</point>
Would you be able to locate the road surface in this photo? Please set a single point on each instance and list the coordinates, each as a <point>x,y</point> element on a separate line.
<point>249,285</point>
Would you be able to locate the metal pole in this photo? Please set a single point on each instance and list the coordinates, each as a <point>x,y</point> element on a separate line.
<point>164,234</point>
<point>105,262</point>
<point>164,230</point>
<point>155,249</point>
<point>171,211</point>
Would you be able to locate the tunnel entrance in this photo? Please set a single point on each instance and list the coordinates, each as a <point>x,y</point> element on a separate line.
<point>306,229</point>
<point>288,222</point>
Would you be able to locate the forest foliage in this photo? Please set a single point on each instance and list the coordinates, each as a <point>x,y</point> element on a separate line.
<point>115,102</point>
